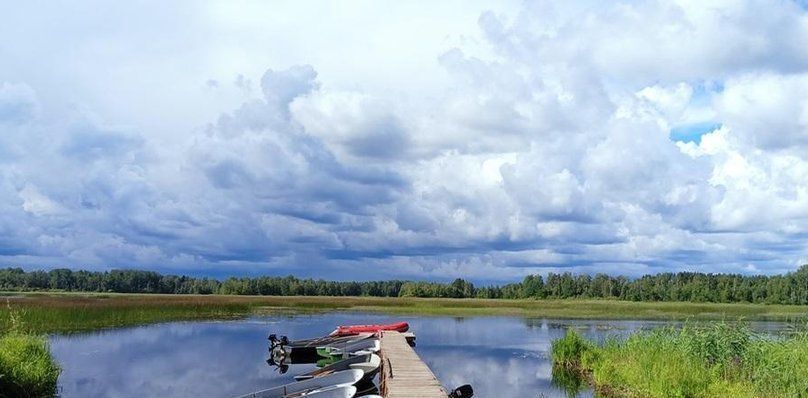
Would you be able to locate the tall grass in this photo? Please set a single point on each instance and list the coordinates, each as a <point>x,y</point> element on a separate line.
<point>66,312</point>
<point>27,368</point>
<point>569,350</point>
<point>719,360</point>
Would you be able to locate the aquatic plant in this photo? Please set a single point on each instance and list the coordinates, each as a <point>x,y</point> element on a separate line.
<point>568,350</point>
<point>27,368</point>
<point>66,313</point>
<point>717,360</point>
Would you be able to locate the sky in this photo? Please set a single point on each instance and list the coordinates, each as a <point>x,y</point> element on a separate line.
<point>404,139</point>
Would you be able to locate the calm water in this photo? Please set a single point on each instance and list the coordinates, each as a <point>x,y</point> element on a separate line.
<point>503,357</point>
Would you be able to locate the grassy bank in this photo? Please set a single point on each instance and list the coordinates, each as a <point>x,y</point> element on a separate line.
<point>64,312</point>
<point>719,360</point>
<point>27,368</point>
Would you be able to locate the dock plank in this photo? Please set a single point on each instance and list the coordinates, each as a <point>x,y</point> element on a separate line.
<point>404,374</point>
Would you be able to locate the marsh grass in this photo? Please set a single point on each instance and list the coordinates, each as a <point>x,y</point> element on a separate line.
<point>67,312</point>
<point>689,362</point>
<point>569,350</point>
<point>717,360</point>
<point>581,309</point>
<point>27,368</point>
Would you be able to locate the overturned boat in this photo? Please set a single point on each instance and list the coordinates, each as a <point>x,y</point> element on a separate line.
<point>350,330</point>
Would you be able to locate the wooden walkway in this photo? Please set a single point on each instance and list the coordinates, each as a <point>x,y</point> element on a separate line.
<point>404,374</point>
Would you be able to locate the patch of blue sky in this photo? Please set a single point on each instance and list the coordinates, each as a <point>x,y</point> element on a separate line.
<point>704,90</point>
<point>692,132</point>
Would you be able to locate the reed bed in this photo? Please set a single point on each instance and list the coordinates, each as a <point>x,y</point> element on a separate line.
<point>65,312</point>
<point>48,314</point>
<point>27,369</point>
<point>716,360</point>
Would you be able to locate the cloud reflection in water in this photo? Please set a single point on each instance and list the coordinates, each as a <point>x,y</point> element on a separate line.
<point>500,356</point>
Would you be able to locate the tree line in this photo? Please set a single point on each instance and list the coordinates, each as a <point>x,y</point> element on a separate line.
<point>790,288</point>
<point>136,281</point>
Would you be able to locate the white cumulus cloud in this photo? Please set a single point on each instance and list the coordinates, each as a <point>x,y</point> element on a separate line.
<point>626,137</point>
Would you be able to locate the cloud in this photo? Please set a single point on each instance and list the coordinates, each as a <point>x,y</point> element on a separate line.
<point>668,41</point>
<point>354,125</point>
<point>18,103</point>
<point>36,203</point>
<point>767,110</point>
<point>280,88</point>
<point>90,143</point>
<point>592,137</point>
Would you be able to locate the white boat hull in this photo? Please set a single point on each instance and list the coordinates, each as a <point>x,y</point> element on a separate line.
<point>368,367</point>
<point>338,392</point>
<point>363,347</point>
<point>317,385</point>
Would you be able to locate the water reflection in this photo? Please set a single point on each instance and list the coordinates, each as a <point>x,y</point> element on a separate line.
<point>569,381</point>
<point>499,356</point>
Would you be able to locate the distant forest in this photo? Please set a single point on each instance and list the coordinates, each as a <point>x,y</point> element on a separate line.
<point>791,288</point>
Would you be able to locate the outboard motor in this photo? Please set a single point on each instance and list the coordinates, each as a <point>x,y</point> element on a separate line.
<point>277,353</point>
<point>464,391</point>
<point>282,367</point>
<point>274,341</point>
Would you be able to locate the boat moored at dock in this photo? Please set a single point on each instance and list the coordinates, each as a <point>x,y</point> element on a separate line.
<point>302,351</point>
<point>367,363</point>
<point>365,350</point>
<point>335,385</point>
<point>350,330</point>
<point>354,348</point>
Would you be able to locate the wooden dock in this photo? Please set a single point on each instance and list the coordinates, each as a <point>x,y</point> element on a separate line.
<point>403,373</point>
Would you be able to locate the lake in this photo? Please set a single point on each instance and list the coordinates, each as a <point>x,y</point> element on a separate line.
<point>504,357</point>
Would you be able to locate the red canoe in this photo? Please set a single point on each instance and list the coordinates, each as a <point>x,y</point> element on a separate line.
<point>356,329</point>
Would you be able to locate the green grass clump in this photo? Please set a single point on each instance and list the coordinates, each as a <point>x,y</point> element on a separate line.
<point>720,360</point>
<point>780,367</point>
<point>569,350</point>
<point>27,369</point>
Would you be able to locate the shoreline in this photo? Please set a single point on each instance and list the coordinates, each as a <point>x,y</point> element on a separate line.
<point>716,360</point>
<point>59,312</point>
